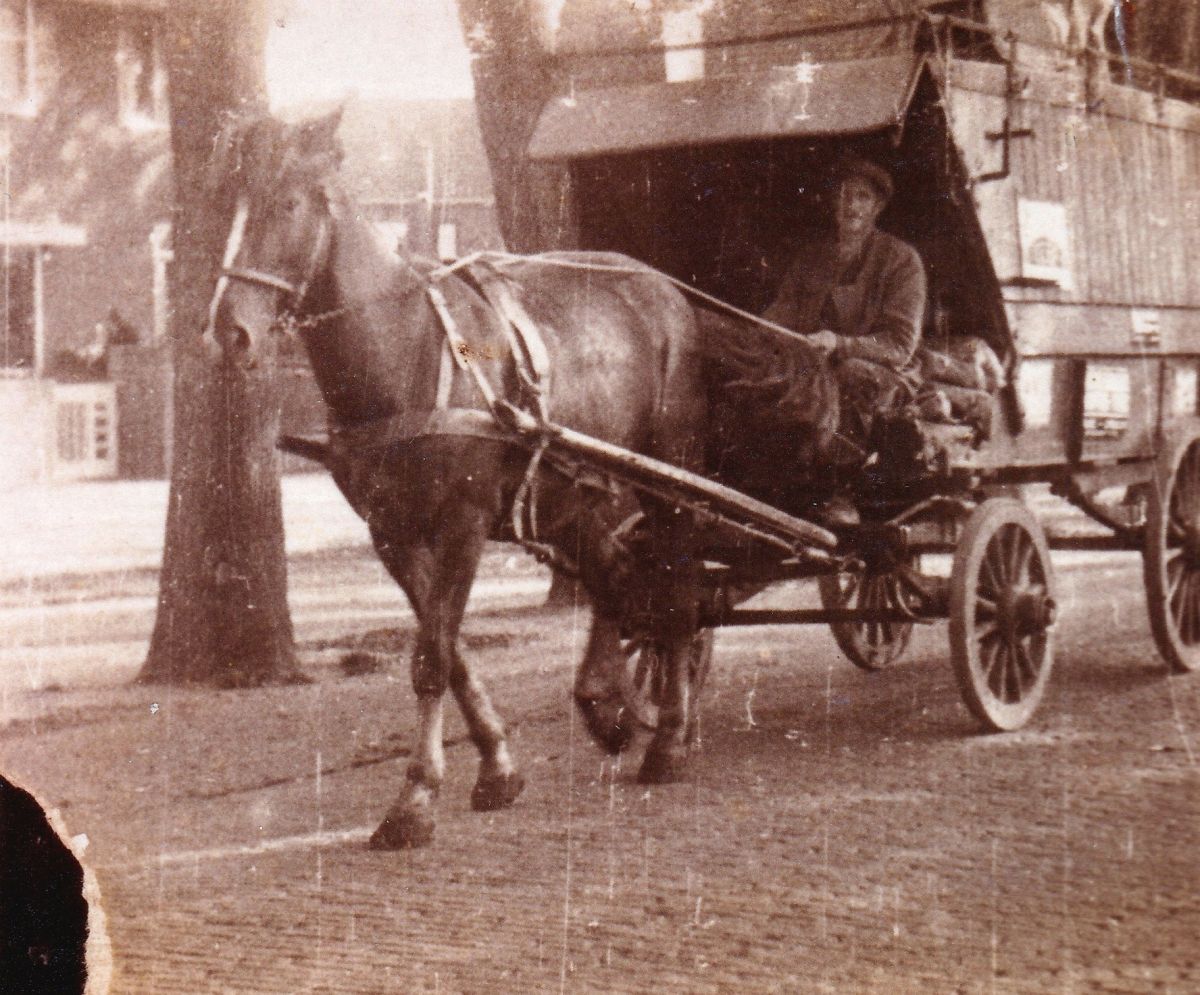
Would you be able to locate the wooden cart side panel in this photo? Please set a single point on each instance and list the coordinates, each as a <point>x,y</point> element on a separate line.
<point>1127,177</point>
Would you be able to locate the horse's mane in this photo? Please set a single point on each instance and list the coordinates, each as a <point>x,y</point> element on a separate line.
<point>253,151</point>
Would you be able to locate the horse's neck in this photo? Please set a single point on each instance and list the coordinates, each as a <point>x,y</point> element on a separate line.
<point>366,355</point>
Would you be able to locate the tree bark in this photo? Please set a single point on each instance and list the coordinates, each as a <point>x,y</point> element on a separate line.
<point>513,80</point>
<point>222,616</point>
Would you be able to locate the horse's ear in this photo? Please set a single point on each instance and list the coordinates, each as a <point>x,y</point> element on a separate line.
<point>319,135</point>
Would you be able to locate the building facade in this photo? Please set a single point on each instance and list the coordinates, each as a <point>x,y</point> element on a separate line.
<point>85,160</point>
<point>85,236</point>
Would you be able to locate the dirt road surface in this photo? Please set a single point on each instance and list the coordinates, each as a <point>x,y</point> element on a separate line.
<point>841,832</point>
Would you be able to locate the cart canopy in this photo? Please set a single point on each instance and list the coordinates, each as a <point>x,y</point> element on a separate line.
<point>811,98</point>
<point>831,29</point>
<point>1165,31</point>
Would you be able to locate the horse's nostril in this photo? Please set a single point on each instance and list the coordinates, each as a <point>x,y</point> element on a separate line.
<point>239,340</point>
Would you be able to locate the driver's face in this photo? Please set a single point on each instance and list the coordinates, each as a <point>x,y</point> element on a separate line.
<point>858,206</point>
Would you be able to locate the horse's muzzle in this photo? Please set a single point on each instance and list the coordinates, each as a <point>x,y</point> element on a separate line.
<point>231,342</point>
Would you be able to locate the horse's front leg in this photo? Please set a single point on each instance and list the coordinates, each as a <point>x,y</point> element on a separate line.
<point>499,783</point>
<point>438,582</point>
<point>410,821</point>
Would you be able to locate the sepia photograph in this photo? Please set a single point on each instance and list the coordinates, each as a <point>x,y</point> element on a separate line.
<point>505,496</point>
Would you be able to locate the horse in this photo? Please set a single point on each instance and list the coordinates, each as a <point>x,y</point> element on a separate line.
<point>625,366</point>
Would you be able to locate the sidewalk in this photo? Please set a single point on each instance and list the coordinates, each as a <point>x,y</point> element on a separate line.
<point>100,526</point>
<point>93,548</point>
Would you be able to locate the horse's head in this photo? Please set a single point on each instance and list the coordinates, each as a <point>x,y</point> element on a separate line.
<point>278,178</point>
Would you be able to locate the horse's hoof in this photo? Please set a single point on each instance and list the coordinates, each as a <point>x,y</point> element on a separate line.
<point>491,793</point>
<point>403,829</point>
<point>663,768</point>
<point>608,722</point>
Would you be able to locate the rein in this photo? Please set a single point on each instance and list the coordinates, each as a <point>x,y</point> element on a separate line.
<point>686,288</point>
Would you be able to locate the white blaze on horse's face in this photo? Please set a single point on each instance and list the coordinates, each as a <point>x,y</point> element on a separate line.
<point>271,256</point>
<point>233,245</point>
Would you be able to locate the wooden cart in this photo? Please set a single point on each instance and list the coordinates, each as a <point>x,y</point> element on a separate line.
<point>1055,199</point>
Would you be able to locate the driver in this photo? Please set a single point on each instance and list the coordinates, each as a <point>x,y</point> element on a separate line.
<point>859,296</point>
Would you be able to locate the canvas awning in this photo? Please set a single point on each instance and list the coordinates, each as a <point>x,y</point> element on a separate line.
<point>808,98</point>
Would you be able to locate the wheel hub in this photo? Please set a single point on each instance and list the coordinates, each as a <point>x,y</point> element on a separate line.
<point>1026,611</point>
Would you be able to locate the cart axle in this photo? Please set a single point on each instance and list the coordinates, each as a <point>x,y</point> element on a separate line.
<point>809,616</point>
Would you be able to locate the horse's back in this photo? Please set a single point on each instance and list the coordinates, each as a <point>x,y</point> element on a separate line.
<point>624,345</point>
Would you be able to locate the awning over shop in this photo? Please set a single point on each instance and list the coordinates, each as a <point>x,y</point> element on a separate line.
<point>808,98</point>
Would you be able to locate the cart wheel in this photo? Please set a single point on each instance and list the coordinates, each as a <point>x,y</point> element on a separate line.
<point>870,645</point>
<point>1171,558</point>
<point>644,680</point>
<point>1001,611</point>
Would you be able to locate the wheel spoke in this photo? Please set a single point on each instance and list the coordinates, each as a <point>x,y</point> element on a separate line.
<point>864,592</point>
<point>990,573</point>
<point>871,588</point>
<point>1176,574</point>
<point>885,629</point>
<point>1186,610</point>
<point>995,671</point>
<point>1176,523</point>
<point>853,586</point>
<point>1192,593</point>
<point>984,607</point>
<point>1015,687</point>
<point>1183,486</point>
<point>997,676</point>
<point>989,649</point>
<point>1187,597</point>
<point>1028,667</point>
<point>1019,548</point>
<point>1178,599</point>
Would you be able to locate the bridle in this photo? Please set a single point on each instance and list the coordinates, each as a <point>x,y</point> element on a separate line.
<point>294,293</point>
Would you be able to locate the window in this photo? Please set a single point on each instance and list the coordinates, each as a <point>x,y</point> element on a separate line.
<point>18,327</point>
<point>16,55</point>
<point>161,256</point>
<point>447,241</point>
<point>393,233</point>
<point>141,77</point>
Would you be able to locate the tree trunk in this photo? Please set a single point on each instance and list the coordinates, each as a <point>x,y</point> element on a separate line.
<point>513,80</point>
<point>222,607</point>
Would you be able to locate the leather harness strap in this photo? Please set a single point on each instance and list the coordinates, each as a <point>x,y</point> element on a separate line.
<point>530,357</point>
<point>410,425</point>
<point>525,341</point>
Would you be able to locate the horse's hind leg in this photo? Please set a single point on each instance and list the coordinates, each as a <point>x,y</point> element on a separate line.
<point>598,691</point>
<point>674,610</point>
